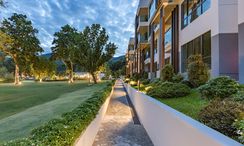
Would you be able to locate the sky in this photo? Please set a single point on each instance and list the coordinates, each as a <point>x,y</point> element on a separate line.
<point>48,16</point>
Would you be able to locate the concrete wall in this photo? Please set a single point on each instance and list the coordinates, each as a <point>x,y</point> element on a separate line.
<point>88,136</point>
<point>168,127</point>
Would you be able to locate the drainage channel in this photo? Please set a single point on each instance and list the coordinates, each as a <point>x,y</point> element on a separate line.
<point>132,109</point>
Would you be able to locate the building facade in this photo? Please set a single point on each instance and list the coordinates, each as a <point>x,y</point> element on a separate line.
<point>177,29</point>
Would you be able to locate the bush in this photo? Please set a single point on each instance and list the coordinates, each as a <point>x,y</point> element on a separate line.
<point>133,83</point>
<point>187,83</point>
<point>3,72</point>
<point>167,73</point>
<point>67,129</point>
<point>221,87</point>
<point>197,70</point>
<point>239,125</point>
<point>239,96</point>
<point>177,78</point>
<point>168,90</point>
<point>145,81</point>
<point>220,115</point>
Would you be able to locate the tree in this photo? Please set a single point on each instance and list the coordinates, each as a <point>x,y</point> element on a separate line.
<point>20,41</point>
<point>197,70</point>
<point>94,49</point>
<point>65,42</point>
<point>43,67</point>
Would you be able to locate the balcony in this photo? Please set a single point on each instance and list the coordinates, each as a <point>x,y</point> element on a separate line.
<point>143,23</point>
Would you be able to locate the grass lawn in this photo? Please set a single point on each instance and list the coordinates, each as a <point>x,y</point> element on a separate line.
<point>32,104</point>
<point>189,105</point>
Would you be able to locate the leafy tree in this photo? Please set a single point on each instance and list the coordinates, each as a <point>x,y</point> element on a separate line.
<point>20,41</point>
<point>94,49</point>
<point>43,67</point>
<point>65,41</point>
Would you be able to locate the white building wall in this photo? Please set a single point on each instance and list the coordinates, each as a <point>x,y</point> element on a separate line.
<point>220,18</point>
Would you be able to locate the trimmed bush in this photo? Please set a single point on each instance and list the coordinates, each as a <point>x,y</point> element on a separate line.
<point>167,73</point>
<point>177,78</point>
<point>197,70</point>
<point>168,90</point>
<point>221,87</point>
<point>239,125</point>
<point>67,129</point>
<point>220,115</point>
<point>133,83</point>
<point>239,96</point>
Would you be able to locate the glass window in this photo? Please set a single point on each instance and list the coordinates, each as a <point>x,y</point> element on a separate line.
<point>183,58</point>
<point>206,48</point>
<point>197,45</point>
<point>184,14</point>
<point>192,9</point>
<point>200,45</point>
<point>206,5</point>
<point>152,8</point>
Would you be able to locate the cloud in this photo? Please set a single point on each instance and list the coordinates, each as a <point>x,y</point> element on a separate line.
<point>48,16</point>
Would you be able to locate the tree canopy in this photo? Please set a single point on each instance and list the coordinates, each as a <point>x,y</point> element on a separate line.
<point>20,41</point>
<point>65,44</point>
<point>95,49</point>
<point>43,67</point>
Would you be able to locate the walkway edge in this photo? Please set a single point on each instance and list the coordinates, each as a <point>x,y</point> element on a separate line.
<point>87,137</point>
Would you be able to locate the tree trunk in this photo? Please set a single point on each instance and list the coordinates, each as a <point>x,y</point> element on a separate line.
<point>94,78</point>
<point>16,79</point>
<point>40,80</point>
<point>71,76</point>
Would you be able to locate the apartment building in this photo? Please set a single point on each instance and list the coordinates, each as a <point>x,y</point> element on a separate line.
<point>180,28</point>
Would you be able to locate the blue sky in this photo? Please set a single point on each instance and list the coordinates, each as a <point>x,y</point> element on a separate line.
<point>117,16</point>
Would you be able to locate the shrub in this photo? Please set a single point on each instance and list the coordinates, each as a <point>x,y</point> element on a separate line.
<point>127,80</point>
<point>135,77</point>
<point>220,115</point>
<point>239,96</point>
<point>168,90</point>
<point>197,70</point>
<point>221,87</point>
<point>3,72</point>
<point>167,73</point>
<point>133,83</point>
<point>187,83</point>
<point>239,125</point>
<point>177,78</point>
<point>145,81</point>
<point>67,129</point>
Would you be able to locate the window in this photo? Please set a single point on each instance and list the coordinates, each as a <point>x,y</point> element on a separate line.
<point>200,45</point>
<point>192,9</point>
<point>152,8</point>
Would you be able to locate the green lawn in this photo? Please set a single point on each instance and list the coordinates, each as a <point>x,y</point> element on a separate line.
<point>32,104</point>
<point>189,105</point>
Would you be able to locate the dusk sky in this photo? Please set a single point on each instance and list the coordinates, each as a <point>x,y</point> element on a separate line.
<point>117,16</point>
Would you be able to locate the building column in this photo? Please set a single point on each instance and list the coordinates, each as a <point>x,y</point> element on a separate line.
<point>161,49</point>
<point>175,39</point>
<point>152,53</point>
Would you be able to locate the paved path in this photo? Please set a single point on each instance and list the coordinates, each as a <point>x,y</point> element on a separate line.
<point>118,128</point>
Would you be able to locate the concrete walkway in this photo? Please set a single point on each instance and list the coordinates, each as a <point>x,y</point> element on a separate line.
<point>118,128</point>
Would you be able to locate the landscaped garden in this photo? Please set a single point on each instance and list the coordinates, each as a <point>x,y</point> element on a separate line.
<point>217,102</point>
<point>41,104</point>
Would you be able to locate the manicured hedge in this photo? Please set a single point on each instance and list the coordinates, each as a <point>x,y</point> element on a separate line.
<point>67,129</point>
<point>167,90</point>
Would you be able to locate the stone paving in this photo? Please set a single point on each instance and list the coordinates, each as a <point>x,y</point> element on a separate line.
<point>118,128</point>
